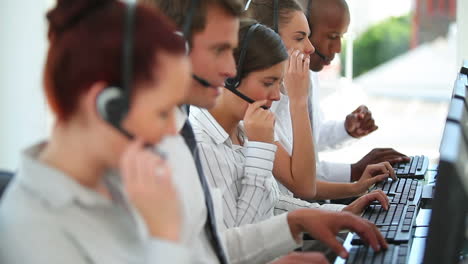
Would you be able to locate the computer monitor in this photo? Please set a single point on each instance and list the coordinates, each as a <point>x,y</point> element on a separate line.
<point>459,89</point>
<point>458,113</point>
<point>450,204</point>
<point>464,68</point>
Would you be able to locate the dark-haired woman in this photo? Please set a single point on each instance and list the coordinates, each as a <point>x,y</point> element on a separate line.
<point>238,157</point>
<point>88,194</point>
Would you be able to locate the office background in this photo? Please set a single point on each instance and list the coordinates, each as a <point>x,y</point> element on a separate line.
<point>24,117</point>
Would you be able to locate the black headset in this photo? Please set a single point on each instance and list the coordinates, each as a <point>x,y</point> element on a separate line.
<point>309,6</point>
<point>187,33</point>
<point>114,101</point>
<point>275,16</point>
<point>233,83</point>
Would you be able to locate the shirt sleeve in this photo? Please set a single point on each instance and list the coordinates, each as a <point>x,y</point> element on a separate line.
<point>261,242</point>
<point>256,196</point>
<point>288,204</point>
<point>160,251</point>
<point>334,172</point>
<point>332,135</point>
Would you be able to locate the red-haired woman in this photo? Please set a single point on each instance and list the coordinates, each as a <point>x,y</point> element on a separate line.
<point>68,204</point>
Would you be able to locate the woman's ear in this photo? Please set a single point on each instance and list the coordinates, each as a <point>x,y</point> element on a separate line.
<point>89,102</point>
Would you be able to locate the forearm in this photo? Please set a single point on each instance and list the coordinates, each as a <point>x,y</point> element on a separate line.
<point>331,190</point>
<point>258,194</point>
<point>303,163</point>
<point>257,243</point>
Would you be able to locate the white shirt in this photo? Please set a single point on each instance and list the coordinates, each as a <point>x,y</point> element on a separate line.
<point>258,243</point>
<point>243,174</point>
<point>47,217</point>
<point>328,134</point>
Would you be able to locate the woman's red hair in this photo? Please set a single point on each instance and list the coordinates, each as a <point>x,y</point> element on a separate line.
<point>86,46</point>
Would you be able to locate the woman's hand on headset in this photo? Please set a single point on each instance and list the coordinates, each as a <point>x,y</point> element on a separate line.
<point>148,183</point>
<point>297,79</point>
<point>259,123</point>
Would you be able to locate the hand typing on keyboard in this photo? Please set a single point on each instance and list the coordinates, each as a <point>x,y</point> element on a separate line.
<point>376,156</point>
<point>372,175</point>
<point>358,206</point>
<point>325,225</point>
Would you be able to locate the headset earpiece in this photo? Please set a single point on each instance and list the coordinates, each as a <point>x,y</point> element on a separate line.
<point>111,105</point>
<point>233,83</point>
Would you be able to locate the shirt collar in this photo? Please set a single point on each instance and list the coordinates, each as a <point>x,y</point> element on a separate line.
<point>53,186</point>
<point>202,119</point>
<point>180,118</point>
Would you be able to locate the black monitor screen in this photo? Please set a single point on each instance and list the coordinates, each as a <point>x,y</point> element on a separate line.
<point>450,205</point>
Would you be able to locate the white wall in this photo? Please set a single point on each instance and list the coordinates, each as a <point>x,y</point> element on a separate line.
<point>462,31</point>
<point>23,44</point>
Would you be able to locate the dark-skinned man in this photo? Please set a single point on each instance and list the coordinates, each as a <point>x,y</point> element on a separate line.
<point>329,21</point>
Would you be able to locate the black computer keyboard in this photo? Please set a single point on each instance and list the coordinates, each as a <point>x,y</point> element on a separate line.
<point>415,168</point>
<point>401,191</point>
<point>395,254</point>
<point>395,224</point>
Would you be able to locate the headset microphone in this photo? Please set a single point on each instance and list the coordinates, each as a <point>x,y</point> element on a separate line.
<point>309,6</point>
<point>202,81</point>
<point>232,83</point>
<point>323,57</point>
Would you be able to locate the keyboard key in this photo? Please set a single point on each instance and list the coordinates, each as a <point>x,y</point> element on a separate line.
<point>389,254</point>
<point>420,164</point>
<point>405,228</point>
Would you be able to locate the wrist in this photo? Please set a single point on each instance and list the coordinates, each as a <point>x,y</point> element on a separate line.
<point>294,221</point>
<point>355,172</point>
<point>356,188</point>
<point>299,101</point>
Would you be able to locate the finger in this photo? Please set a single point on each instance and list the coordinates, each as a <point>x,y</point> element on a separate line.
<point>292,61</point>
<point>375,169</point>
<point>142,161</point>
<point>364,229</point>
<point>353,122</point>
<point>378,178</point>
<point>364,117</point>
<point>253,107</point>
<point>379,196</point>
<point>390,169</point>
<point>367,123</point>
<point>305,66</point>
<point>300,62</point>
<point>381,240</point>
<point>387,152</point>
<point>360,109</point>
<point>128,161</point>
<point>330,240</point>
<point>366,232</point>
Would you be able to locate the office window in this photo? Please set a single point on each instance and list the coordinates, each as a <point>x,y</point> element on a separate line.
<point>399,58</point>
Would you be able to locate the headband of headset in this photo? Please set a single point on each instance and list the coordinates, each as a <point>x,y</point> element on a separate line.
<point>233,83</point>
<point>114,101</point>
<point>275,16</point>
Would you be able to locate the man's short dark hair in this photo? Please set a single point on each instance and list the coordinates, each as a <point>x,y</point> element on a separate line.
<point>178,10</point>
